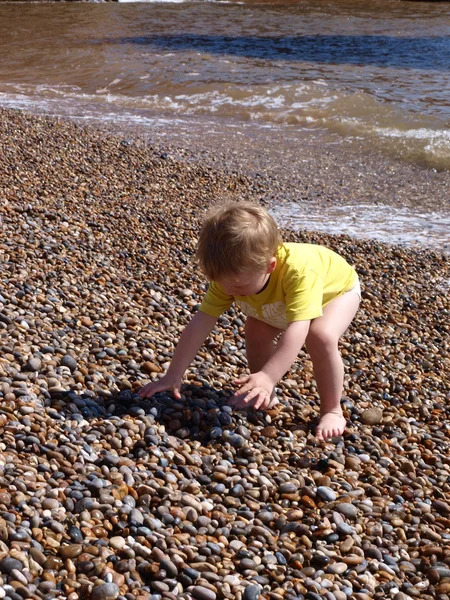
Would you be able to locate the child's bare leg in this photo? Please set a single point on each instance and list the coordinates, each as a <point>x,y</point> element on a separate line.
<point>259,343</point>
<point>322,343</point>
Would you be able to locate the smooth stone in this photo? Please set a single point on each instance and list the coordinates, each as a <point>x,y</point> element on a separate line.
<point>8,563</point>
<point>50,503</point>
<point>191,573</point>
<point>71,551</point>
<point>169,567</point>
<point>117,542</point>
<point>326,493</point>
<point>251,592</point>
<point>232,580</point>
<point>136,517</point>
<point>69,362</point>
<point>288,488</point>
<point>201,593</point>
<point>372,416</point>
<point>247,563</point>
<point>159,586</point>
<point>313,596</point>
<point>236,545</point>
<point>318,561</point>
<point>266,516</point>
<point>19,576</point>
<point>33,364</point>
<point>238,491</point>
<point>344,529</point>
<point>105,591</point>
<point>444,572</point>
<point>234,439</point>
<point>337,568</point>
<point>76,534</point>
<point>348,510</point>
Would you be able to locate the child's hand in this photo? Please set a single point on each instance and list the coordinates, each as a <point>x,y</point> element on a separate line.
<point>331,424</point>
<point>168,382</point>
<point>256,391</point>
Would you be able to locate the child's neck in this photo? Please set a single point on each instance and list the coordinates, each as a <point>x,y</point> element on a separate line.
<point>265,284</point>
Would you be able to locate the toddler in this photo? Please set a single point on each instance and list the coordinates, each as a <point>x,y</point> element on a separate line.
<point>305,292</point>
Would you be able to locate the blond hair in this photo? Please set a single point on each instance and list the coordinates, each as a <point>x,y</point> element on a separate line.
<point>236,237</point>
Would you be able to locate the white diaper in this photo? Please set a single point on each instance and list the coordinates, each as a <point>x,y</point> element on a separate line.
<point>356,288</point>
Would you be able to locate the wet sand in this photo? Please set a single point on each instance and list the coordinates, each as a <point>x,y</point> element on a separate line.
<point>105,496</point>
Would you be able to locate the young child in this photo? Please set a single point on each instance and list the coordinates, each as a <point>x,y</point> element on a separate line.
<point>305,292</point>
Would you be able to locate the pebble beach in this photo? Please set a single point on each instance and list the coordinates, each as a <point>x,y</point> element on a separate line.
<point>105,496</point>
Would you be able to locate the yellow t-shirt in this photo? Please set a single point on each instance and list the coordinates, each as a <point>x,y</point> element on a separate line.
<point>306,278</point>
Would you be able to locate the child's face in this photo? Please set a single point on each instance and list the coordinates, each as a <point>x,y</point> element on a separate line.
<point>247,283</point>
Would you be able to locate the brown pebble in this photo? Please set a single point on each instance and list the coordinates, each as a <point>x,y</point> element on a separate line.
<point>71,551</point>
<point>372,416</point>
<point>150,367</point>
<point>269,432</point>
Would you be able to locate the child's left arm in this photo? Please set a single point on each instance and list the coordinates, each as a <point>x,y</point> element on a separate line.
<point>257,388</point>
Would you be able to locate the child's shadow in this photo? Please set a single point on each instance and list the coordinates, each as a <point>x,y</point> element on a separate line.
<point>203,414</point>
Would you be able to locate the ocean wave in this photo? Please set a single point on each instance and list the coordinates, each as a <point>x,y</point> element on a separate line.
<point>355,116</point>
<point>389,224</point>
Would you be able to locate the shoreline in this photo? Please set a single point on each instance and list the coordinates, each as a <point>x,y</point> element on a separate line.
<point>107,497</point>
<point>319,174</point>
<point>320,165</point>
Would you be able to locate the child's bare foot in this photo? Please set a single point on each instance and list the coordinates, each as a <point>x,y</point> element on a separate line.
<point>331,424</point>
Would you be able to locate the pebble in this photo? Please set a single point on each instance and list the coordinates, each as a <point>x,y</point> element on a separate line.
<point>105,591</point>
<point>9,564</point>
<point>337,568</point>
<point>201,593</point>
<point>350,511</point>
<point>345,529</point>
<point>70,362</point>
<point>34,364</point>
<point>326,493</point>
<point>372,416</point>
<point>251,592</point>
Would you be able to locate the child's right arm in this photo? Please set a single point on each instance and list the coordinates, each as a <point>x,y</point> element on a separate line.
<point>190,342</point>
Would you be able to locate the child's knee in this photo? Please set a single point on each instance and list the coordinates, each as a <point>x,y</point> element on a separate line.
<point>321,342</point>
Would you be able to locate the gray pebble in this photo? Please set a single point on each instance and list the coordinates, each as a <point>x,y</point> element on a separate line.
<point>201,593</point>
<point>105,591</point>
<point>326,493</point>
<point>8,563</point>
<point>344,529</point>
<point>251,592</point>
<point>69,362</point>
<point>348,510</point>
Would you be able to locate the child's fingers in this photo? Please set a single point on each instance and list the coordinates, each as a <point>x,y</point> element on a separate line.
<point>176,392</point>
<point>239,399</point>
<point>257,397</point>
<point>244,389</point>
<point>153,388</point>
<point>241,380</point>
<point>147,391</point>
<point>259,402</point>
<point>250,396</point>
<point>263,401</point>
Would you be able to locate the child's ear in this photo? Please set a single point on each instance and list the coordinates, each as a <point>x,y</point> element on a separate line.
<point>272,265</point>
